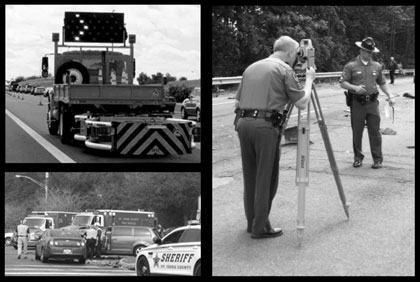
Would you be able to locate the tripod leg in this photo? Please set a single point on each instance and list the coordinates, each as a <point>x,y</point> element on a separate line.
<point>302,170</point>
<point>328,147</point>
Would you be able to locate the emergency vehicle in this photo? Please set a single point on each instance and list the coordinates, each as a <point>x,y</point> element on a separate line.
<point>178,253</point>
<point>39,221</point>
<point>107,218</point>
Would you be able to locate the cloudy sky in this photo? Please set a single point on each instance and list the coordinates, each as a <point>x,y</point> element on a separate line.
<point>167,36</point>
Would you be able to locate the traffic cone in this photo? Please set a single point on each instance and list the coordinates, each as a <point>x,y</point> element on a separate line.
<point>100,80</point>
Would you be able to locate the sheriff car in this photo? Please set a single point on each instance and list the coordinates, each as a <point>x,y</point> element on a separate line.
<point>178,253</point>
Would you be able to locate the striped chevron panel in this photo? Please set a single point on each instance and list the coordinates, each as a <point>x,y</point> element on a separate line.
<point>162,139</point>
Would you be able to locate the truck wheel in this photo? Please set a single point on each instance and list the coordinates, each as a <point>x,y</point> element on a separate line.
<point>198,115</point>
<point>78,73</point>
<point>37,257</point>
<point>143,267</point>
<point>184,114</point>
<point>82,260</point>
<point>65,125</point>
<point>52,124</point>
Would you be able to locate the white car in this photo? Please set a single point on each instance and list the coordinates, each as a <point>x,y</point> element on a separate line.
<point>8,238</point>
<point>178,253</point>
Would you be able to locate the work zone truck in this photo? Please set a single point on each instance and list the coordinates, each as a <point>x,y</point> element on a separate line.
<point>94,100</point>
<point>39,221</point>
<point>49,219</point>
<point>107,218</point>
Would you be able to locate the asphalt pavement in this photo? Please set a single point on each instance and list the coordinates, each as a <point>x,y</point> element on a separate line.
<point>377,240</point>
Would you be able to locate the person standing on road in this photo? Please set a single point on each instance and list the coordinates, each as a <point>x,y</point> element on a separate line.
<point>22,231</point>
<point>360,77</point>
<point>266,87</point>
<point>392,68</point>
<point>98,240</point>
<point>91,236</point>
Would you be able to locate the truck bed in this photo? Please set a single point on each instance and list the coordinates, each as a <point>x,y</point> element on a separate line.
<point>109,94</point>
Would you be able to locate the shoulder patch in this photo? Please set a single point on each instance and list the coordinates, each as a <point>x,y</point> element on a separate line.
<point>297,81</point>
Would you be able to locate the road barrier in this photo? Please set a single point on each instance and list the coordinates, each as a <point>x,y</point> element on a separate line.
<point>319,76</point>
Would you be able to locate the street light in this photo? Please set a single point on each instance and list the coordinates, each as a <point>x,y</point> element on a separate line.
<point>38,183</point>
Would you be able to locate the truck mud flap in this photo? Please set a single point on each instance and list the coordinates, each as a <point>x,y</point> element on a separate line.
<point>161,139</point>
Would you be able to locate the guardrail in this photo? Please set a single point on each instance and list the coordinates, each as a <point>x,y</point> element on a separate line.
<point>321,75</point>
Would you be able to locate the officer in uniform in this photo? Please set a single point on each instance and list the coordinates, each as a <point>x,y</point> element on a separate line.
<point>22,231</point>
<point>266,87</point>
<point>360,77</point>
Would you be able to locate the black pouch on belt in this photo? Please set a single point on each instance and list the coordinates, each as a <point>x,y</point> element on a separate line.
<point>348,98</point>
<point>277,119</point>
<point>237,116</point>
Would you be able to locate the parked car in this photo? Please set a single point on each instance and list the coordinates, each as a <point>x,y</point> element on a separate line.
<point>39,91</point>
<point>60,244</point>
<point>128,240</point>
<point>28,89</point>
<point>178,253</point>
<point>191,105</point>
<point>34,235</point>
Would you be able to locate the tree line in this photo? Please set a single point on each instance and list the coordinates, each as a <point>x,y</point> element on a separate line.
<point>242,35</point>
<point>172,196</point>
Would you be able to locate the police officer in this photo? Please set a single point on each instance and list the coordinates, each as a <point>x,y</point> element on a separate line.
<point>22,231</point>
<point>360,77</point>
<point>266,87</point>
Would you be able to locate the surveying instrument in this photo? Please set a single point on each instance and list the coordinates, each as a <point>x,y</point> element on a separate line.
<point>306,56</point>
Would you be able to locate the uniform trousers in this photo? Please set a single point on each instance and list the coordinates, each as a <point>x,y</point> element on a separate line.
<point>361,114</point>
<point>22,241</point>
<point>260,151</point>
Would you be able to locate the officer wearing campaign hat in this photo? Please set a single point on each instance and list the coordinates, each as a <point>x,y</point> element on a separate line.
<point>361,77</point>
<point>266,87</point>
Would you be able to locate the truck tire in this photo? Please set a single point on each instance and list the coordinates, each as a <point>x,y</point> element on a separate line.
<point>52,124</point>
<point>78,73</point>
<point>65,125</point>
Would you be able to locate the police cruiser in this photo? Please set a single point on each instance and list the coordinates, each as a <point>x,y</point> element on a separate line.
<point>178,253</point>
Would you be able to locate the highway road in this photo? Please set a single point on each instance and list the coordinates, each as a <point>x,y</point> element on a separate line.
<point>377,240</point>
<point>32,267</point>
<point>28,140</point>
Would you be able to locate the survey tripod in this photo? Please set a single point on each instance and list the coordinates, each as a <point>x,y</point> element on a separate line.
<point>302,158</point>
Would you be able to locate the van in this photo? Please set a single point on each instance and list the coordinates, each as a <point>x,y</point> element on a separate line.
<point>128,240</point>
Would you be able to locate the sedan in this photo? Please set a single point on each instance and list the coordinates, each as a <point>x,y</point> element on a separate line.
<point>39,91</point>
<point>60,244</point>
<point>178,253</point>
<point>191,105</point>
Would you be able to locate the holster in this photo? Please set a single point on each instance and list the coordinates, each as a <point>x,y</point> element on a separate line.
<point>348,98</point>
<point>237,117</point>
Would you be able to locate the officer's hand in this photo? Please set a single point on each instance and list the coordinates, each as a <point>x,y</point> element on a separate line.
<point>310,73</point>
<point>360,89</point>
<point>391,101</point>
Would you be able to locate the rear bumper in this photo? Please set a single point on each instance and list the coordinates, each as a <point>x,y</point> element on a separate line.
<point>137,135</point>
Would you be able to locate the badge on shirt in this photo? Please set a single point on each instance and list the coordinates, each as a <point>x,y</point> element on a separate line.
<point>374,72</point>
<point>300,87</point>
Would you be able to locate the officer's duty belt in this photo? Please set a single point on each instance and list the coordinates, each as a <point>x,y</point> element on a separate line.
<point>363,98</point>
<point>256,113</point>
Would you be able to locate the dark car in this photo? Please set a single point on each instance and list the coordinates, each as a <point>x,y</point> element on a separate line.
<point>128,240</point>
<point>60,244</point>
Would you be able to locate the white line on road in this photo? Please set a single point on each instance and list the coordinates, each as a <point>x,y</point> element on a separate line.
<point>229,102</point>
<point>60,156</point>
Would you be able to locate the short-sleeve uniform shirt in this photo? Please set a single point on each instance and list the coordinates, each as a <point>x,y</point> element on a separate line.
<point>269,84</point>
<point>357,73</point>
